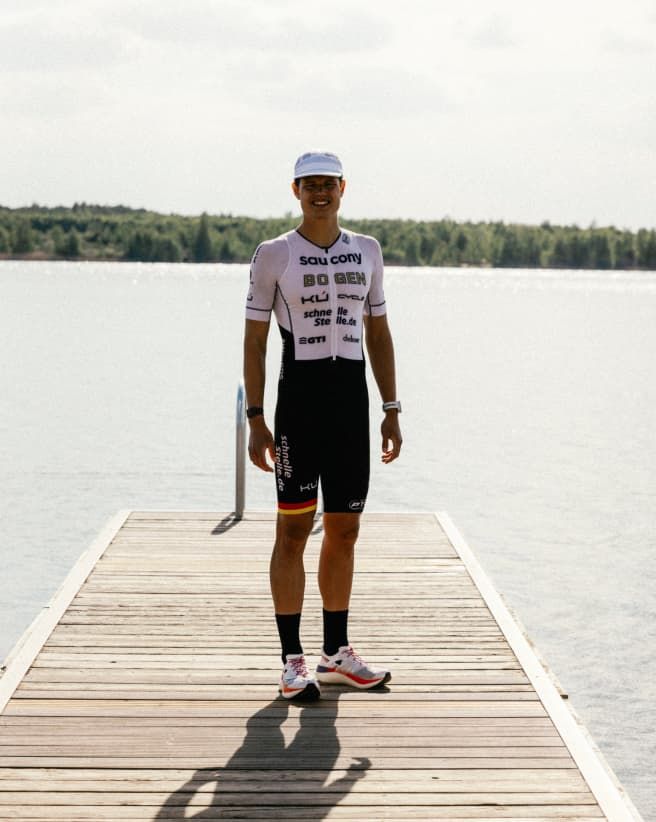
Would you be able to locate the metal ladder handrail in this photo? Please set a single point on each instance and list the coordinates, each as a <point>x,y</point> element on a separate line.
<point>240,452</point>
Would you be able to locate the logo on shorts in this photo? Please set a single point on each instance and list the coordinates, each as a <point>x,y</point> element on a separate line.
<point>356,504</point>
<point>284,469</point>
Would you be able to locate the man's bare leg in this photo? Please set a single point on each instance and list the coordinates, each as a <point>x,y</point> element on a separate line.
<point>336,559</point>
<point>339,663</point>
<point>287,576</point>
<point>286,571</point>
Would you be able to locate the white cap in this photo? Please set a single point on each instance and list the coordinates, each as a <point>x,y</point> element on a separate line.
<point>321,163</point>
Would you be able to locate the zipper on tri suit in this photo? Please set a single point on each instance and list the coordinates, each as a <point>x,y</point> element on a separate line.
<point>333,305</point>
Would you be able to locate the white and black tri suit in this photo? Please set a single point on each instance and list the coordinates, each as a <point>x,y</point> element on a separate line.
<point>319,296</point>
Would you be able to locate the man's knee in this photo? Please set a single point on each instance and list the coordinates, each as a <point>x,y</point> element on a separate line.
<point>342,529</point>
<point>292,532</point>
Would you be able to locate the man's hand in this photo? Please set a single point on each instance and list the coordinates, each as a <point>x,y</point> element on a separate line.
<point>260,443</point>
<point>392,438</point>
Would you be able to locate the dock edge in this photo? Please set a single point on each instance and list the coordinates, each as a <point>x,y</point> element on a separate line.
<point>601,779</point>
<point>25,651</point>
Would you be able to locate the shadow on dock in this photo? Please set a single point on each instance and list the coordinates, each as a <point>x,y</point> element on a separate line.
<point>266,773</point>
<point>226,523</point>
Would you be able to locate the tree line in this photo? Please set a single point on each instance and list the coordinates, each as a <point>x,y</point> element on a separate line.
<point>92,232</point>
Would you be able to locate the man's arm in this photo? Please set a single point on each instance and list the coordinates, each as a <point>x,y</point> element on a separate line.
<point>381,357</point>
<point>255,345</point>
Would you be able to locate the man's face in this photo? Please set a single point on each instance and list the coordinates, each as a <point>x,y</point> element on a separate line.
<point>319,196</point>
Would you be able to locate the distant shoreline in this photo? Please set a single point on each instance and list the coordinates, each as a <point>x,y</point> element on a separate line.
<point>35,258</point>
<point>120,234</point>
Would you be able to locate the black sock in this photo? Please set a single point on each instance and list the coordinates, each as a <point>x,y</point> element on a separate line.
<point>289,630</point>
<point>335,635</point>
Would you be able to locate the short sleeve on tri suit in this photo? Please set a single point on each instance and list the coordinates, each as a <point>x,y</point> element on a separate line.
<point>269,263</point>
<point>375,302</point>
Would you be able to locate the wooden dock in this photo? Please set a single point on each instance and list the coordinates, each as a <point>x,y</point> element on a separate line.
<point>147,690</point>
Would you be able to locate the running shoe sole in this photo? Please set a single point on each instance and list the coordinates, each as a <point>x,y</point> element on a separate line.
<point>333,677</point>
<point>310,693</point>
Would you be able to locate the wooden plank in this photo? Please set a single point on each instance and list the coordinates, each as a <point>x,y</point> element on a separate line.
<point>104,658</point>
<point>275,763</point>
<point>189,781</point>
<point>255,794</point>
<point>399,736</point>
<point>444,726</point>
<point>456,682</point>
<point>480,813</point>
<point>445,717</point>
<point>475,746</point>
<point>138,749</point>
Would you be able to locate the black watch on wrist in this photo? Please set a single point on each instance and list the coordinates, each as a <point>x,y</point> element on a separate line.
<point>254,411</point>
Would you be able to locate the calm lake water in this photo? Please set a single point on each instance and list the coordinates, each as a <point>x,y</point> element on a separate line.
<point>529,416</point>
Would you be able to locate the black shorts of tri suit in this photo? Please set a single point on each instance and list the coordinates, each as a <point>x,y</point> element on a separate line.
<point>322,436</point>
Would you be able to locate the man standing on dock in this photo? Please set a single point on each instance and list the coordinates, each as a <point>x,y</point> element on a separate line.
<point>325,286</point>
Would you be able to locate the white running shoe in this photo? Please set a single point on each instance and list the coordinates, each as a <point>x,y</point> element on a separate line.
<point>347,668</point>
<point>296,682</point>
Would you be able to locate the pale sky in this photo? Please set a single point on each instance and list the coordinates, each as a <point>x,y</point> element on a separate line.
<point>480,110</point>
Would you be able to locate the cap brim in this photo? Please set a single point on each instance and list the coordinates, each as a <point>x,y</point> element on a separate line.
<point>318,164</point>
<point>319,172</point>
